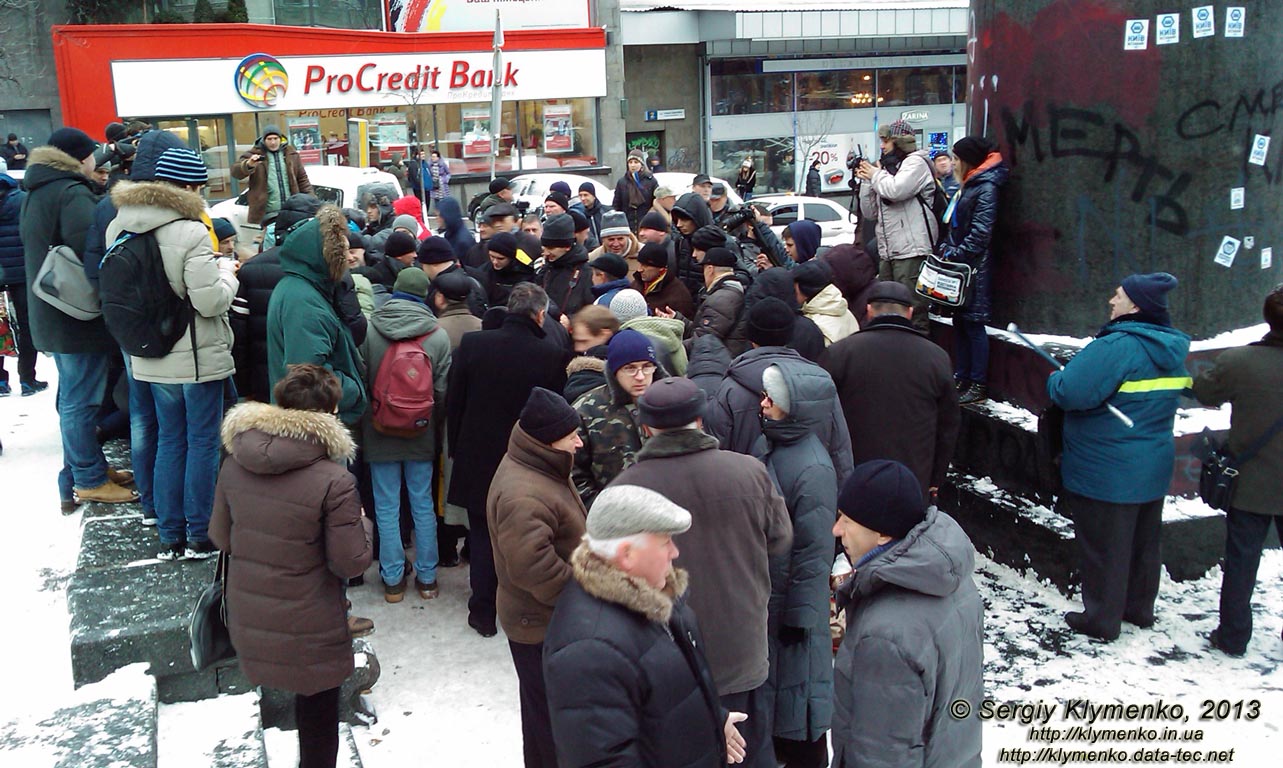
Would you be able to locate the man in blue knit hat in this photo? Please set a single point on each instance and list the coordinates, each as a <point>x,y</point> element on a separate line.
<point>1116,472</point>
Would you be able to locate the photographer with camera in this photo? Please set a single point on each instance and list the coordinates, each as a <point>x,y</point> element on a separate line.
<point>750,225</point>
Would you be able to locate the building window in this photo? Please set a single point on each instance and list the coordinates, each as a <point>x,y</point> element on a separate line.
<point>338,14</point>
<point>916,86</point>
<point>738,89</point>
<point>772,157</point>
<point>835,89</point>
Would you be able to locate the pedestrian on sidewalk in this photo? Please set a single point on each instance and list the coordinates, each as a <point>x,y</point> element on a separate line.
<point>287,514</point>
<point>13,280</point>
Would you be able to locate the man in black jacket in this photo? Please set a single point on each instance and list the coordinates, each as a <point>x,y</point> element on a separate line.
<point>896,388</point>
<point>565,274</point>
<point>491,376</point>
<point>627,682</point>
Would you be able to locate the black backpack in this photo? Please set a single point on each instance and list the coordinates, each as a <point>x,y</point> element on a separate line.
<point>939,204</point>
<point>140,308</point>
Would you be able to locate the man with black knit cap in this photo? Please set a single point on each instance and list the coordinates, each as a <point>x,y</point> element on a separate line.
<point>822,302</point>
<point>536,521</point>
<point>500,193</point>
<point>914,642</point>
<point>554,204</point>
<point>733,413</point>
<point>739,521</point>
<point>436,257</point>
<point>655,280</point>
<point>609,277</point>
<point>565,274</point>
<point>1116,475</point>
<point>594,209</point>
<point>491,376</point>
<point>59,210</point>
<point>399,252</point>
<point>507,264</point>
<point>14,153</point>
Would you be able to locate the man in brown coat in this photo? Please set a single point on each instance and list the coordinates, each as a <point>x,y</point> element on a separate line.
<point>663,291</point>
<point>275,171</point>
<point>536,521</point>
<point>738,521</point>
<point>287,512</point>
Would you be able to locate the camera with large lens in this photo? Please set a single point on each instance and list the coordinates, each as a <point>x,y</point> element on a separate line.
<point>737,218</point>
<point>522,206</point>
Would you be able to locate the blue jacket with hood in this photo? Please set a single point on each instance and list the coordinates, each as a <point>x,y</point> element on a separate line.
<point>13,270</point>
<point>806,236</point>
<point>456,231</point>
<point>1138,366</point>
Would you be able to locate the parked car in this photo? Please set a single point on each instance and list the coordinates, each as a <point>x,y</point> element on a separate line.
<point>534,187</point>
<point>341,185</point>
<point>680,183</point>
<point>837,224</point>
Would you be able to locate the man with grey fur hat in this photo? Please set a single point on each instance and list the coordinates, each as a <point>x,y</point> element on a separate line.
<point>275,171</point>
<point>627,682</point>
<point>914,641</point>
<point>740,521</point>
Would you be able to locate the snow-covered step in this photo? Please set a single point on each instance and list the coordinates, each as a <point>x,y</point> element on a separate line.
<point>282,748</point>
<point>222,732</point>
<point>106,724</point>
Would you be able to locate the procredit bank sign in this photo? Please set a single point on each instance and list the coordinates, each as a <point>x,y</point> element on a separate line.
<point>260,82</point>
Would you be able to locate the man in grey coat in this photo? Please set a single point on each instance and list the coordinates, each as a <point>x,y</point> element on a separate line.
<point>738,522</point>
<point>914,629</point>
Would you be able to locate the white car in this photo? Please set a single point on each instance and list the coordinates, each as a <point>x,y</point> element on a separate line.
<point>837,224</point>
<point>534,187</point>
<point>680,183</point>
<point>341,185</point>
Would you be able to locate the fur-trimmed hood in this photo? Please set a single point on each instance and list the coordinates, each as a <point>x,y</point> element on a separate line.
<point>317,249</point>
<point>145,205</point>
<point>270,440</point>
<point>49,164</point>
<point>586,363</point>
<point>54,158</point>
<point>605,582</point>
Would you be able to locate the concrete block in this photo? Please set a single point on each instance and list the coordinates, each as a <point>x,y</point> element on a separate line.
<point>278,705</point>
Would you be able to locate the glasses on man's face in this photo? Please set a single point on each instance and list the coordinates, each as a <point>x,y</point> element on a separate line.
<point>638,369</point>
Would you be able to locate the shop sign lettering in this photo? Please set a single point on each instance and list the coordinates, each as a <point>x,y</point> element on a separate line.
<point>368,78</point>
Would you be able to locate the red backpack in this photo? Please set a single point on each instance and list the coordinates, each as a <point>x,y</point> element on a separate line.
<point>401,397</point>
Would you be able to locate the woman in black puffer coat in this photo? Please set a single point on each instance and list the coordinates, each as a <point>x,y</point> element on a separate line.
<point>971,218</point>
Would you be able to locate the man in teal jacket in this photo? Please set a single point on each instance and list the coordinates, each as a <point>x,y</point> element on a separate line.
<point>1116,476</point>
<point>302,324</point>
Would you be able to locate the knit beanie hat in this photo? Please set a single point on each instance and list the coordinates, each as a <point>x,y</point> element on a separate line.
<point>628,304</point>
<point>588,187</point>
<point>638,154</point>
<point>896,129</point>
<point>399,244</point>
<point>547,417</point>
<point>611,264</point>
<point>504,244</point>
<point>708,236</point>
<point>354,240</point>
<point>559,199</point>
<point>412,281</point>
<point>973,149</point>
<point>74,142</point>
<point>454,285</point>
<point>776,388</point>
<point>581,221</point>
<point>628,346</point>
<point>652,220</point>
<point>498,185</point>
<point>719,257</point>
<point>671,403</point>
<point>560,186</point>
<point>883,496</point>
<point>223,229</point>
<point>616,223</point>
<point>620,511</point>
<point>181,165</point>
<point>435,250</point>
<point>407,222</point>
<point>811,277</point>
<point>653,255</point>
<point>770,324</point>
<point>1149,292</point>
<point>558,231</point>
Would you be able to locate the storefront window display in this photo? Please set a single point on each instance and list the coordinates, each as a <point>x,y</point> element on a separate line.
<point>738,89</point>
<point>772,157</point>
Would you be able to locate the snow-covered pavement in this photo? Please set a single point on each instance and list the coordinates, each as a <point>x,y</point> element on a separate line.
<point>448,697</point>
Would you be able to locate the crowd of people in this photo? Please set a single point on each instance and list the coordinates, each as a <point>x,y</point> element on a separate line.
<point>648,422</point>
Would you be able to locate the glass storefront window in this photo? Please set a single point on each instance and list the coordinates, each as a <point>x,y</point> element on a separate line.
<point>738,89</point>
<point>772,157</point>
<point>339,14</point>
<point>835,89</point>
<point>920,85</point>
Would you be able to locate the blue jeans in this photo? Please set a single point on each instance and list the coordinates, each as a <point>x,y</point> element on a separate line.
<point>385,476</point>
<point>188,417</point>
<point>142,436</point>
<point>82,383</point>
<point>970,351</point>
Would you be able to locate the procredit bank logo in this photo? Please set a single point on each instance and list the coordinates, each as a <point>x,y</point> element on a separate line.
<point>369,77</point>
<point>261,80</point>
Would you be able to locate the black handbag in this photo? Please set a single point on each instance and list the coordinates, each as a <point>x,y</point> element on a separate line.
<point>211,642</point>
<point>945,282</point>
<point>1219,475</point>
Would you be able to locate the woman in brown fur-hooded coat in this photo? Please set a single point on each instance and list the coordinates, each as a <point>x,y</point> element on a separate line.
<point>287,513</point>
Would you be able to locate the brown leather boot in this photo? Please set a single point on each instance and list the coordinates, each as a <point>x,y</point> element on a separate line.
<point>107,493</point>
<point>359,627</point>
<point>122,477</point>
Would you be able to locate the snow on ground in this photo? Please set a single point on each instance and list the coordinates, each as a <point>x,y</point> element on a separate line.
<point>449,697</point>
